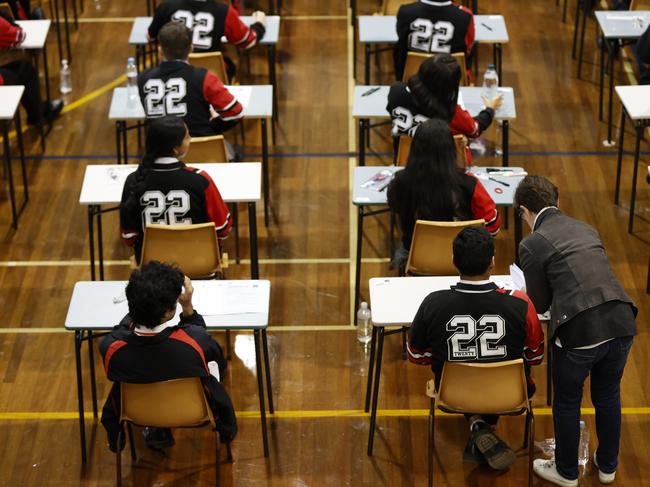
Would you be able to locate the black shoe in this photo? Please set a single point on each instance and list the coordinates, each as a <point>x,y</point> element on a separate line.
<point>112,445</point>
<point>52,110</point>
<point>158,438</point>
<point>497,453</point>
<point>471,453</point>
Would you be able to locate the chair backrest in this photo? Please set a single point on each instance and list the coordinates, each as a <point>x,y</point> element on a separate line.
<point>639,5</point>
<point>404,148</point>
<point>415,59</point>
<point>212,61</point>
<point>6,10</point>
<point>207,149</point>
<point>194,248</point>
<point>502,385</point>
<point>167,404</point>
<point>431,251</point>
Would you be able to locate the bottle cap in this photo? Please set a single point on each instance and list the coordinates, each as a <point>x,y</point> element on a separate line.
<point>364,305</point>
<point>491,66</point>
<point>64,62</point>
<point>131,60</point>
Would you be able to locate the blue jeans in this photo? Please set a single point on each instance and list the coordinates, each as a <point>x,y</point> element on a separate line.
<point>605,364</point>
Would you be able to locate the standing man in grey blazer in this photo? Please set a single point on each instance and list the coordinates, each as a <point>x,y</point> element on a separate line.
<point>591,329</point>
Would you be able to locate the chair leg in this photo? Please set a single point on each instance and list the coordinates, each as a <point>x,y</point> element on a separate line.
<point>228,355</point>
<point>404,330</point>
<point>118,459</point>
<point>217,480</point>
<point>131,442</point>
<point>431,441</point>
<point>526,431</point>
<point>229,452</point>
<point>531,448</point>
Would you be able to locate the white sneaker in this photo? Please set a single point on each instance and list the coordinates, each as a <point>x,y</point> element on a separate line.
<point>546,469</point>
<point>605,478</point>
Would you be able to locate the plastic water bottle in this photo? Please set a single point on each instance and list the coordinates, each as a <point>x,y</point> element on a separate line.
<point>364,324</point>
<point>490,82</point>
<point>66,79</point>
<point>132,83</point>
<point>583,448</point>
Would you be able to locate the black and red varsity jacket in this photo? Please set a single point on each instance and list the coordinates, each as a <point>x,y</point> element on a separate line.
<point>177,88</point>
<point>475,321</point>
<point>175,352</point>
<point>432,26</point>
<point>210,21</point>
<point>173,194</point>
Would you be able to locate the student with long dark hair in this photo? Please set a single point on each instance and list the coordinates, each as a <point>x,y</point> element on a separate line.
<point>163,190</point>
<point>433,93</point>
<point>433,187</point>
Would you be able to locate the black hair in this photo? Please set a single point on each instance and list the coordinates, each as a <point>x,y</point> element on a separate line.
<point>152,291</point>
<point>175,40</point>
<point>473,251</point>
<point>535,193</point>
<point>435,86</point>
<point>164,134</point>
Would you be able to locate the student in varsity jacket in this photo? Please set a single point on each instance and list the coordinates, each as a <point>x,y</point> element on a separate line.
<point>210,20</point>
<point>435,27</point>
<point>163,190</point>
<point>433,187</point>
<point>177,88</point>
<point>476,321</point>
<point>147,347</point>
<point>433,93</point>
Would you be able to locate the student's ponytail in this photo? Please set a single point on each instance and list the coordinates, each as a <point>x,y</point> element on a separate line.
<point>163,136</point>
<point>435,86</point>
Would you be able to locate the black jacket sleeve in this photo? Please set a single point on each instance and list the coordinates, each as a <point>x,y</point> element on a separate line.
<point>537,285</point>
<point>195,327</point>
<point>484,119</point>
<point>401,48</point>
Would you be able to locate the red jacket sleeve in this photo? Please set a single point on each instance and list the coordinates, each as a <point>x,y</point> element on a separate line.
<point>10,35</point>
<point>534,344</point>
<point>216,209</point>
<point>236,5</point>
<point>484,207</point>
<point>217,95</point>
<point>471,33</point>
<point>238,33</point>
<point>463,123</point>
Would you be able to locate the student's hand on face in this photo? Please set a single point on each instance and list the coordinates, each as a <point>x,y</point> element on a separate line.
<point>185,299</point>
<point>493,103</point>
<point>260,17</point>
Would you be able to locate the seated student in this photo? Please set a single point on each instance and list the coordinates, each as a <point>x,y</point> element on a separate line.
<point>449,323</point>
<point>23,73</point>
<point>642,53</point>
<point>163,190</point>
<point>210,20</point>
<point>146,347</point>
<point>432,26</point>
<point>433,93</point>
<point>433,187</point>
<point>177,88</point>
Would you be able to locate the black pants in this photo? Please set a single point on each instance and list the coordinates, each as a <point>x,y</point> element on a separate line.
<point>23,73</point>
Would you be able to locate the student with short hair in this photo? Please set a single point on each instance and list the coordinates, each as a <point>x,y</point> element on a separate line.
<point>177,88</point>
<point>147,347</point>
<point>433,26</point>
<point>433,187</point>
<point>476,321</point>
<point>433,93</point>
<point>163,190</point>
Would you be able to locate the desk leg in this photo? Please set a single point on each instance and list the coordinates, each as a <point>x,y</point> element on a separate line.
<point>272,80</point>
<point>125,148</point>
<point>582,36</point>
<point>375,392</point>
<point>575,30</point>
<point>267,371</point>
<point>93,381</point>
<point>637,149</point>
<point>252,233</point>
<point>362,142</point>
<point>75,14</point>
<point>23,167</point>
<point>357,273</point>
<point>100,245</point>
<point>265,171</point>
<point>498,61</point>
<point>91,239</point>
<point>10,176</point>
<point>118,145</point>
<point>619,162</point>
<point>506,143</point>
<point>57,21</point>
<point>67,30</point>
<point>46,72</point>
<point>366,64</point>
<point>78,337</point>
<point>371,366</point>
<point>601,78</point>
<point>611,95</point>
<point>260,392</point>
<point>518,235</point>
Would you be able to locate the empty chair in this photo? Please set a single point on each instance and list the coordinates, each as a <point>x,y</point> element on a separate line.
<point>211,148</point>
<point>212,61</point>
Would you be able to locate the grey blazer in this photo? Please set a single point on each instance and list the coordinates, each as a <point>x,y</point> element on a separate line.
<point>566,268</point>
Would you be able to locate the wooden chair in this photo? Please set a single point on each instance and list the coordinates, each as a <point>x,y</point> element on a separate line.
<point>404,148</point>
<point>179,403</point>
<point>414,59</point>
<point>639,5</point>
<point>507,394</point>
<point>6,10</point>
<point>207,149</point>
<point>431,247</point>
<point>194,248</point>
<point>212,61</point>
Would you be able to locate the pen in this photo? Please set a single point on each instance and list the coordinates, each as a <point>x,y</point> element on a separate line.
<point>370,91</point>
<point>497,181</point>
<point>486,26</point>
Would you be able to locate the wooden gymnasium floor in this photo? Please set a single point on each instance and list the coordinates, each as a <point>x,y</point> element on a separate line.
<point>319,434</point>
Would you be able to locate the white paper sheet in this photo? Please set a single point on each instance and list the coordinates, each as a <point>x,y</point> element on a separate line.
<point>242,93</point>
<point>517,276</point>
<point>231,299</point>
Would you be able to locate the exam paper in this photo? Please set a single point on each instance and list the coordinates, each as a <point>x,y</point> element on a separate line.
<point>231,299</point>
<point>242,93</point>
<point>517,276</point>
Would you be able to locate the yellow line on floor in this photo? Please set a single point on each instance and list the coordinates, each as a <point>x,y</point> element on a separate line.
<point>352,162</point>
<point>307,414</point>
<point>94,94</point>
<point>106,20</point>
